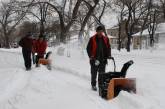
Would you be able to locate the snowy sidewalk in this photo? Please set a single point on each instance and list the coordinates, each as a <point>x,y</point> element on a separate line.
<point>68,84</point>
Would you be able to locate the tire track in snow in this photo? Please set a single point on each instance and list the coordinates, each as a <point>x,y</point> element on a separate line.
<point>18,81</point>
<point>13,78</point>
<point>70,71</point>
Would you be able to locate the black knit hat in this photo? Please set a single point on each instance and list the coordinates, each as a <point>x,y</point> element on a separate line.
<point>99,28</point>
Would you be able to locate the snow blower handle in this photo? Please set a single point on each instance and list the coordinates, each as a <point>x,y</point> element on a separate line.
<point>111,58</point>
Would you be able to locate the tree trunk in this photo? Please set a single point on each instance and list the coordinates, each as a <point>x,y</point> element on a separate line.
<point>140,39</point>
<point>80,36</point>
<point>119,39</point>
<point>42,28</point>
<point>63,35</point>
<point>7,43</point>
<point>128,40</point>
<point>127,28</point>
<point>151,41</point>
<point>86,20</point>
<point>163,11</point>
<point>129,43</point>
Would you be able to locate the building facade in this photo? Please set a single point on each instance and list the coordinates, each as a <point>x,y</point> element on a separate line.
<point>143,39</point>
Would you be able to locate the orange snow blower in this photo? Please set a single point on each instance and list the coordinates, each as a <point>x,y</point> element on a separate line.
<point>46,60</point>
<point>111,83</point>
<point>43,61</point>
<point>117,84</point>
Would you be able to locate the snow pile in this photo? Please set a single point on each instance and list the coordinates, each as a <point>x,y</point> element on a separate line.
<point>68,84</point>
<point>148,70</point>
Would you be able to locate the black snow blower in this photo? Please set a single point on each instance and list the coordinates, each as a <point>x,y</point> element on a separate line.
<point>111,83</point>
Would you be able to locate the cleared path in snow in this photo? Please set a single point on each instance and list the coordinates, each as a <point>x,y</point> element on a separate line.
<point>43,89</point>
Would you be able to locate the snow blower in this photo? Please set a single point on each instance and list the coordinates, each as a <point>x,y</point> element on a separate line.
<point>111,83</point>
<point>46,61</point>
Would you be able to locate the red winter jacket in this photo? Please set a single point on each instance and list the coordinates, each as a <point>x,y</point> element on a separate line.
<point>92,47</point>
<point>34,46</point>
<point>40,47</point>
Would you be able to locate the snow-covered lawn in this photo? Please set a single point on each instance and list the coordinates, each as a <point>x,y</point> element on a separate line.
<point>67,86</point>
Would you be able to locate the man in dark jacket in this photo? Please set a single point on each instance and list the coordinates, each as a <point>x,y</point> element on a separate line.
<point>26,44</point>
<point>99,51</point>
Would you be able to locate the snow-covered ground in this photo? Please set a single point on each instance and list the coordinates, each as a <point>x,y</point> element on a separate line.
<point>67,85</point>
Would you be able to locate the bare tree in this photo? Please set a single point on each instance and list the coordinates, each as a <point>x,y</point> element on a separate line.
<point>120,8</point>
<point>154,17</point>
<point>40,11</point>
<point>150,19</point>
<point>90,14</point>
<point>68,14</point>
<point>91,9</point>
<point>26,27</point>
<point>99,17</point>
<point>120,20</point>
<point>43,15</point>
<point>133,14</point>
<point>163,7</point>
<point>11,14</point>
<point>65,21</point>
<point>145,18</point>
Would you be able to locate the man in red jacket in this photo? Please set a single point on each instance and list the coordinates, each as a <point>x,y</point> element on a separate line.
<point>98,50</point>
<point>40,48</point>
<point>26,43</point>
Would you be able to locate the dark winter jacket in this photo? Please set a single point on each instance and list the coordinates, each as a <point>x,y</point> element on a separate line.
<point>99,47</point>
<point>26,43</point>
<point>40,47</point>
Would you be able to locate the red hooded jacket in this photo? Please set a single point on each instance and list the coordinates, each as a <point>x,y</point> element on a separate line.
<point>92,46</point>
<point>40,47</point>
